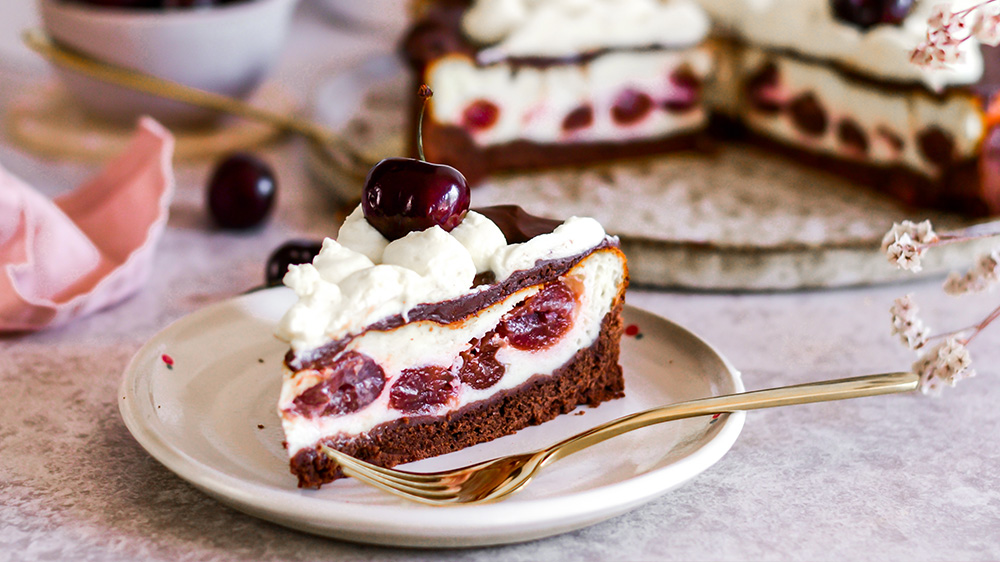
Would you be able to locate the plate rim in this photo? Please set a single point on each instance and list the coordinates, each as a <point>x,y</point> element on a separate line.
<point>407,524</point>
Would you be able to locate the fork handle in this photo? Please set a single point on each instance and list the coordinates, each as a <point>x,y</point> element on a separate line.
<point>822,391</point>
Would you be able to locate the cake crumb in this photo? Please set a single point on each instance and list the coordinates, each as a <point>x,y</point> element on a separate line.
<point>260,426</point>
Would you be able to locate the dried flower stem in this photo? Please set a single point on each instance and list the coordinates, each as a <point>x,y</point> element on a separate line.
<point>978,328</point>
<point>974,232</point>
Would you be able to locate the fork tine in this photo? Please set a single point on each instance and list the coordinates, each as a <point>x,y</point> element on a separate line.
<point>415,478</point>
<point>376,480</point>
<point>354,469</point>
<point>391,479</point>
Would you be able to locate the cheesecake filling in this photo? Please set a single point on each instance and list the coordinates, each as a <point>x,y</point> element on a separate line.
<point>816,107</point>
<point>425,368</point>
<point>614,96</point>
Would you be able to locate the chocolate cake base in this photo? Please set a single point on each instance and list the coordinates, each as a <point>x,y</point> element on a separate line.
<point>592,376</point>
<point>970,187</point>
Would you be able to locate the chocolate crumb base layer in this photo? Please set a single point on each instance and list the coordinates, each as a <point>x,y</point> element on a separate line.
<point>592,376</point>
<point>970,187</point>
<point>456,309</point>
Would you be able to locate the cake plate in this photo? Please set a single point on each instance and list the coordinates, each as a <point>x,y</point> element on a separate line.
<point>737,219</point>
<point>201,398</point>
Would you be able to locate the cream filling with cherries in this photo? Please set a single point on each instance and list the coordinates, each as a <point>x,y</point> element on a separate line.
<point>595,282</point>
<point>616,96</point>
<point>816,107</point>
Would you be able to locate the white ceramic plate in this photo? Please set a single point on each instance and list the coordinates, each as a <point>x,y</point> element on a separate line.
<point>200,397</point>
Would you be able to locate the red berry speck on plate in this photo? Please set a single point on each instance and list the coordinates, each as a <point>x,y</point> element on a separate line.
<point>167,360</point>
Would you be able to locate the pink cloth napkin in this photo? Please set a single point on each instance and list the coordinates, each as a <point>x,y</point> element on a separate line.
<point>87,249</point>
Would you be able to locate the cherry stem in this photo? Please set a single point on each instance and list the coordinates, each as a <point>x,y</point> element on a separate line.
<point>425,93</point>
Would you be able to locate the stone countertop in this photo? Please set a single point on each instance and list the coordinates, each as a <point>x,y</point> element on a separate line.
<point>895,477</point>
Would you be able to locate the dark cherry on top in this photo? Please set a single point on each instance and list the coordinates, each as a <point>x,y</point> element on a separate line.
<point>403,195</point>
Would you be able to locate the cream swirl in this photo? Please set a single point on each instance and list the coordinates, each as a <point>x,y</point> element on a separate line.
<point>565,28</point>
<point>362,278</point>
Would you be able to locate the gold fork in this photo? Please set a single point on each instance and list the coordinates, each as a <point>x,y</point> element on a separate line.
<point>496,479</point>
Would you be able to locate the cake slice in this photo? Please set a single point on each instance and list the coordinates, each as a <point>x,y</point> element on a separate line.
<point>439,340</point>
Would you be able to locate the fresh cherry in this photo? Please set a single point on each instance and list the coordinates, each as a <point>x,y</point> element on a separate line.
<point>867,13</point>
<point>293,252</point>
<point>241,192</point>
<point>403,195</point>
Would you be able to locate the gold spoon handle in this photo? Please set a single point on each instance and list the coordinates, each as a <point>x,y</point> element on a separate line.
<point>823,391</point>
<point>37,41</point>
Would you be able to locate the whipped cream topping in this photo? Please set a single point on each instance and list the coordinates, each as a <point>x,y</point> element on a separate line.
<point>808,27</point>
<point>565,28</point>
<point>362,278</point>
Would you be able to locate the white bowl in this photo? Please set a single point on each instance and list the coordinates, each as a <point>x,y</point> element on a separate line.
<point>226,49</point>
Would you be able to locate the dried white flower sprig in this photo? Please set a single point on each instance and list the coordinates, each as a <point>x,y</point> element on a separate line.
<point>946,362</point>
<point>907,242</point>
<point>947,30</point>
<point>906,324</point>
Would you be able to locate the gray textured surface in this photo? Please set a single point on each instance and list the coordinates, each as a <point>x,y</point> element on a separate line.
<point>897,478</point>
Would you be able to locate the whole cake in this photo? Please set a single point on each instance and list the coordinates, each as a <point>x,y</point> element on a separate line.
<point>531,84</point>
<point>413,339</point>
